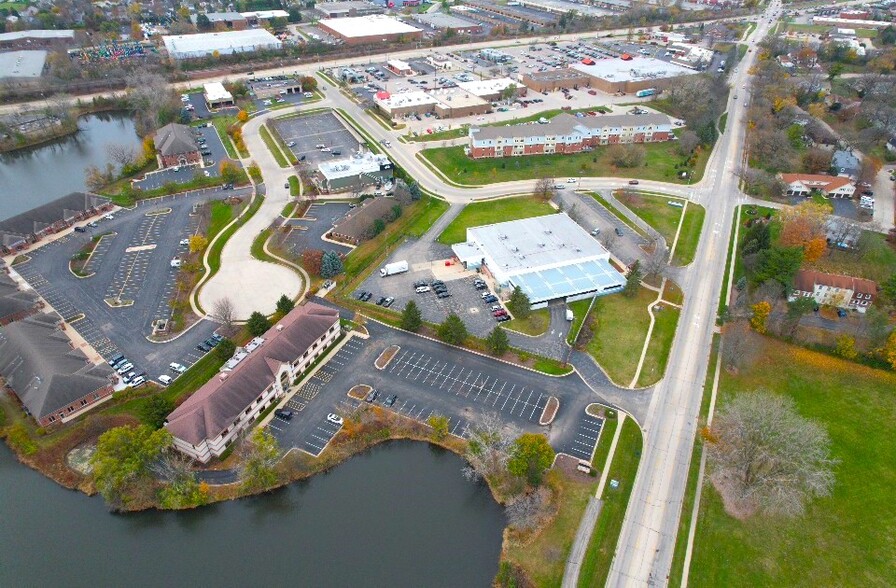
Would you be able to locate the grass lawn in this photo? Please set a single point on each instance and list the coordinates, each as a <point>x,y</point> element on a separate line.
<point>493,211</point>
<point>654,210</point>
<point>432,211</point>
<point>723,120</point>
<point>544,559</point>
<point>877,262</point>
<point>672,293</point>
<point>843,540</point>
<point>660,344</point>
<point>579,308</point>
<point>659,164</point>
<point>272,146</point>
<point>620,326</point>
<point>602,546</point>
<point>617,213</point>
<point>689,237</point>
<point>535,324</point>
<point>221,214</point>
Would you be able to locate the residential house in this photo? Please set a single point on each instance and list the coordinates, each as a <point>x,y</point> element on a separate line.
<point>176,145</point>
<point>846,164</point>
<point>257,377</point>
<point>828,186</point>
<point>834,290</point>
<point>568,134</point>
<point>54,381</point>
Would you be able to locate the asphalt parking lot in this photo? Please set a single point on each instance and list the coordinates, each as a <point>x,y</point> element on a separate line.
<point>133,264</point>
<point>316,129</point>
<point>591,215</point>
<point>582,445</point>
<point>318,220</point>
<point>218,154</point>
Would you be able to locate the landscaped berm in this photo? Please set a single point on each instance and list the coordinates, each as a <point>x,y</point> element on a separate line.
<point>845,539</point>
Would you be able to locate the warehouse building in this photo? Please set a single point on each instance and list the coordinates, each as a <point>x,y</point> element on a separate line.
<point>568,134</point>
<point>259,17</point>
<point>446,103</point>
<point>225,43</point>
<point>224,21</point>
<point>346,9</point>
<point>493,90</point>
<point>376,28</point>
<point>639,73</point>
<point>216,95</point>
<point>354,173</point>
<point>448,22</point>
<point>37,37</point>
<point>22,64</point>
<point>558,79</point>
<point>551,258</point>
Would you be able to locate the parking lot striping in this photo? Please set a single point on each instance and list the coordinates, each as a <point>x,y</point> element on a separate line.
<point>137,248</point>
<point>535,406</point>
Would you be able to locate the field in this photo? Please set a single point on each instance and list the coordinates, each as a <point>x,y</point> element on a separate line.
<point>846,539</point>
<point>492,211</point>
<point>620,327</point>
<point>877,262</point>
<point>660,344</point>
<point>535,324</point>
<point>659,164</point>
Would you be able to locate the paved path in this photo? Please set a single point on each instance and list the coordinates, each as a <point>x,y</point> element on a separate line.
<point>252,284</point>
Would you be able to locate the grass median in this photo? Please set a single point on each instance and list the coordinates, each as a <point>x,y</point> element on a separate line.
<point>689,237</point>
<point>665,322</point>
<point>493,211</point>
<point>618,326</point>
<point>533,325</point>
<point>272,146</point>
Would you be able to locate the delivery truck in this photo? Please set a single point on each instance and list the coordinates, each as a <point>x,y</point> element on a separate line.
<point>390,269</point>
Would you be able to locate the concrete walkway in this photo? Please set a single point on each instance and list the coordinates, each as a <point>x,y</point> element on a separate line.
<point>252,284</point>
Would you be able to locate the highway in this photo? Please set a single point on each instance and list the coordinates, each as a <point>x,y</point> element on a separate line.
<point>647,541</point>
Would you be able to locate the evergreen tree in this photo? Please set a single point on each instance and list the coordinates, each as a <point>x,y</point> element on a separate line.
<point>330,265</point>
<point>519,304</point>
<point>633,280</point>
<point>257,324</point>
<point>453,330</point>
<point>411,320</point>
<point>284,305</point>
<point>497,341</point>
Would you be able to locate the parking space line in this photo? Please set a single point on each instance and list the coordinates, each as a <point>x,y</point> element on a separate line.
<point>506,398</point>
<point>526,403</point>
<point>535,406</point>
<point>447,377</point>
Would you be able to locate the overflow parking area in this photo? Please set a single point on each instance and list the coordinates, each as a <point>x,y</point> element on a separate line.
<point>303,134</point>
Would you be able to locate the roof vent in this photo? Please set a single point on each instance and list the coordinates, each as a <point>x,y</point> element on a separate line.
<point>541,244</point>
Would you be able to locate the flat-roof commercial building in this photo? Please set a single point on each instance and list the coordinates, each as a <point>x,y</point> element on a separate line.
<point>257,376</point>
<point>22,64</point>
<point>492,90</point>
<point>37,37</point>
<point>638,73</point>
<point>258,16</point>
<point>225,43</point>
<point>345,9</point>
<point>449,22</point>
<point>377,28</point>
<point>558,79</point>
<point>224,21</point>
<point>549,257</point>
<point>355,172</point>
<point>216,95</point>
<point>400,68</point>
<point>268,88</point>
<point>850,22</point>
<point>564,7</point>
<point>53,380</point>
<point>446,103</point>
<point>568,134</point>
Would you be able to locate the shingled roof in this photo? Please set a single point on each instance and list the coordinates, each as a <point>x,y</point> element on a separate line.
<point>175,139</point>
<point>45,371</point>
<point>20,227</point>
<point>218,403</point>
<point>12,299</point>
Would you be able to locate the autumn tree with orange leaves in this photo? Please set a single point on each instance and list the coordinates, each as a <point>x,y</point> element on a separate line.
<point>804,226</point>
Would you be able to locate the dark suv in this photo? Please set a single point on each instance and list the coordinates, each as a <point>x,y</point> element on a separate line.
<point>283,413</point>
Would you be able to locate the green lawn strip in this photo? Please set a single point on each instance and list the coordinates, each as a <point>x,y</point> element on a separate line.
<point>433,209</point>
<point>376,116</point>
<point>723,301</point>
<point>544,558</point>
<point>620,328</point>
<point>198,182</point>
<point>842,540</point>
<point>493,211</point>
<point>257,248</point>
<point>579,309</point>
<point>535,324</point>
<point>659,164</point>
<point>654,210</point>
<point>222,123</point>
<point>603,445</point>
<point>548,365</point>
<point>690,491</point>
<point>599,555</point>
<point>272,146</point>
<point>214,255</point>
<point>295,187</point>
<point>723,120</point>
<point>689,237</point>
<point>616,212</point>
<point>877,262</point>
<point>660,344</point>
<point>672,293</point>
<point>287,152</point>
<point>221,214</point>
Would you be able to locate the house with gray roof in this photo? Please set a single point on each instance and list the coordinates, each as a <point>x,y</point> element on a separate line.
<point>256,377</point>
<point>846,164</point>
<point>176,145</point>
<point>29,227</point>
<point>54,381</point>
<point>15,303</point>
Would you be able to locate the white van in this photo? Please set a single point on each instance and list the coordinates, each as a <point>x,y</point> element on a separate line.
<point>165,379</point>
<point>176,262</point>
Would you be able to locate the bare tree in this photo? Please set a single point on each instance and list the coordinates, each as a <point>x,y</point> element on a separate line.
<point>526,510</point>
<point>172,467</point>
<point>765,457</point>
<point>608,239</point>
<point>489,446</point>
<point>657,262</point>
<point>738,345</point>
<point>544,188</point>
<point>688,142</point>
<point>121,154</point>
<point>223,312</point>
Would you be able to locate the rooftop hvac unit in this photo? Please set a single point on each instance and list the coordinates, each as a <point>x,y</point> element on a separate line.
<point>541,244</point>
<point>548,231</point>
<point>514,248</point>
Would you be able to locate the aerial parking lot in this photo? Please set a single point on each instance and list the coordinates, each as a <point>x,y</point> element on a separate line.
<point>213,154</point>
<point>127,284</point>
<point>317,137</point>
<point>307,231</point>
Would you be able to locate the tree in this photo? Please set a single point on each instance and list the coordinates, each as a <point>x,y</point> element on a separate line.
<point>627,156</point>
<point>331,265</point>
<point>888,290</point>
<point>284,305</point>
<point>453,330</point>
<point>414,191</point>
<point>489,441</point>
<point>656,264</point>
<point>888,351</point>
<point>411,319</point>
<point>377,227</point>
<point>544,188</point>
<point>122,456</point>
<point>203,23</point>
<point>688,142</point>
<point>796,310</point>
<point>497,341</point>
<point>257,324</point>
<point>779,264</point>
<point>229,172</point>
<point>814,249</point>
<point>242,116</point>
<point>846,347</point>
<point>311,261</point>
<point>526,510</point>
<point>738,346</point>
<point>182,489</point>
<point>309,83</point>
<point>258,455</point>
<point>519,304</point>
<point>121,154</point>
<point>761,311</point>
<point>509,92</point>
<point>633,279</point>
<point>223,312</point>
<point>225,349</point>
<point>802,223</point>
<point>294,15</point>
<point>155,410</point>
<point>765,457</point>
<point>530,457</point>
<point>198,243</point>
<point>439,425</point>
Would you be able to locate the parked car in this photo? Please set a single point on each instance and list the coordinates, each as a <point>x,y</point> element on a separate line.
<point>391,400</point>
<point>388,302</point>
<point>501,312</point>
<point>174,366</point>
<point>165,379</point>
<point>618,231</point>
<point>502,318</point>
<point>283,413</point>
<point>125,368</point>
<point>490,299</point>
<point>421,289</point>
<point>138,381</point>
<point>360,295</point>
<point>372,395</point>
<point>595,232</point>
<point>334,418</point>
<point>444,294</point>
<point>210,342</point>
<point>367,296</point>
<point>92,224</point>
<point>202,347</point>
<point>80,230</point>
<point>381,301</point>
<point>419,283</point>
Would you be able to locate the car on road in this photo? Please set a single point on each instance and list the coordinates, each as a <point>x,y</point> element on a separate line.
<point>391,400</point>
<point>571,181</point>
<point>633,182</point>
<point>371,396</point>
<point>165,379</point>
<point>283,413</point>
<point>176,367</point>
<point>559,186</point>
<point>334,418</point>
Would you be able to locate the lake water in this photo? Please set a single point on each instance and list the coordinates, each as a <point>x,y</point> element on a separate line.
<point>35,176</point>
<point>398,515</point>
